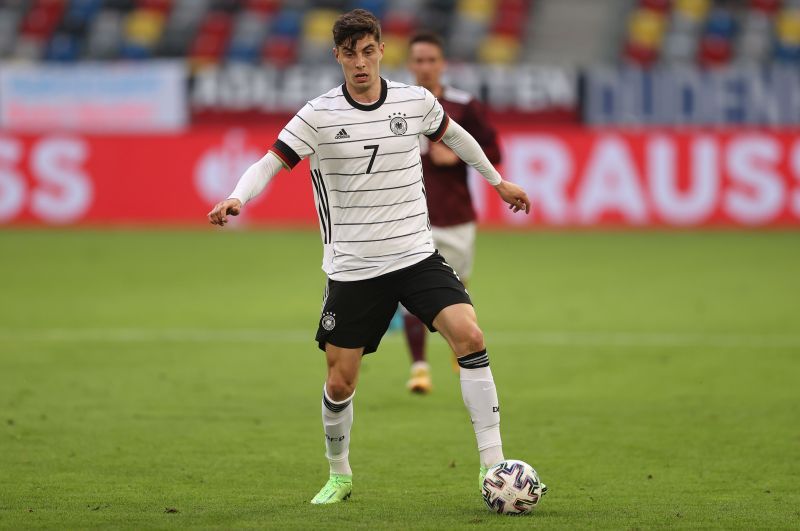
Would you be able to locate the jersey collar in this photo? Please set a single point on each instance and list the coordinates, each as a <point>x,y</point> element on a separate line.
<point>361,106</point>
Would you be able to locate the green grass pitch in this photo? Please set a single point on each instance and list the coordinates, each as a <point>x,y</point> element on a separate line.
<point>170,379</point>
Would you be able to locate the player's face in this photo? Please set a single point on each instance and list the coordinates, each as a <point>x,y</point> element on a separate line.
<point>361,63</point>
<point>426,62</point>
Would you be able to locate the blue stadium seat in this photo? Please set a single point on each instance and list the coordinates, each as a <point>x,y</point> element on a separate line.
<point>63,47</point>
<point>132,50</point>
<point>721,23</point>
<point>288,23</point>
<point>378,7</point>
<point>787,53</point>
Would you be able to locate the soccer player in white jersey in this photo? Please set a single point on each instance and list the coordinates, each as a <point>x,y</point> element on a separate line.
<point>362,139</point>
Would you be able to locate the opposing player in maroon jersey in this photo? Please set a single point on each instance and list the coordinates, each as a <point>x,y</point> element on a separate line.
<point>449,202</point>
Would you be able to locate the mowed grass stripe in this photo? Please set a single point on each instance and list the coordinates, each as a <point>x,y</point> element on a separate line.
<point>508,337</point>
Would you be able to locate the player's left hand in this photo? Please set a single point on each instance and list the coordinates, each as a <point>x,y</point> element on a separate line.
<point>218,214</point>
<point>515,196</point>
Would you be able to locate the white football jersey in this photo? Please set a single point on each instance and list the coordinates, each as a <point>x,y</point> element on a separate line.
<point>367,176</point>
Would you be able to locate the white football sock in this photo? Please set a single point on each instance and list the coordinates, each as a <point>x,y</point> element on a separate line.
<point>480,397</point>
<point>337,419</point>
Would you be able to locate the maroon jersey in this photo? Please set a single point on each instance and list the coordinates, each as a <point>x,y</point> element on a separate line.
<point>449,201</point>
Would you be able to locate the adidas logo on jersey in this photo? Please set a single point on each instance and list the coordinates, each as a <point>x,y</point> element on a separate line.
<point>341,134</point>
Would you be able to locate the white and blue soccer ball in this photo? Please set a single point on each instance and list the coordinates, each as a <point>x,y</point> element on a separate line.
<point>512,487</point>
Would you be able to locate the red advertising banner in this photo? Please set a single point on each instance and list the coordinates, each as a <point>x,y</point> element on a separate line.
<point>574,176</point>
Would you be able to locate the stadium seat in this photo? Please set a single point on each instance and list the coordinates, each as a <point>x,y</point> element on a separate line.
<point>400,23</point>
<point>638,55</point>
<point>212,39</point>
<point>765,6</point>
<point>103,36</point>
<point>660,6</point>
<point>250,28</point>
<point>9,22</point>
<point>787,27</point>
<point>287,23</point>
<point>396,51</point>
<point>267,7</point>
<point>721,23</point>
<point>479,10</point>
<point>42,19</point>
<point>499,50</point>
<point>646,28</point>
<point>143,27</point>
<point>679,48</point>
<point>695,10</point>
<point>715,51</point>
<point>280,51</point>
<point>377,7</point>
<point>317,25</point>
<point>63,47</point>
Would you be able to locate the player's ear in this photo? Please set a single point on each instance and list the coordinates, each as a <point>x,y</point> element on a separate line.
<point>336,54</point>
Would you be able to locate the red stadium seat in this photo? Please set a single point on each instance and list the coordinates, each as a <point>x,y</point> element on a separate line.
<point>162,6</point>
<point>662,6</point>
<point>43,18</point>
<point>263,6</point>
<point>280,51</point>
<point>715,51</point>
<point>765,6</point>
<point>212,38</point>
<point>639,55</point>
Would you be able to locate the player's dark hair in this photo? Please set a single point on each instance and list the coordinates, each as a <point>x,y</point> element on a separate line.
<point>354,26</point>
<point>428,37</point>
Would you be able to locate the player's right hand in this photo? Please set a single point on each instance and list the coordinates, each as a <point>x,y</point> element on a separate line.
<point>218,214</point>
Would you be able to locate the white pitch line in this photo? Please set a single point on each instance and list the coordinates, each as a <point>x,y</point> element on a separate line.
<point>534,337</point>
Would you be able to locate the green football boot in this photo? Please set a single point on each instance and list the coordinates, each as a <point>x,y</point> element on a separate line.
<point>338,488</point>
<point>481,476</point>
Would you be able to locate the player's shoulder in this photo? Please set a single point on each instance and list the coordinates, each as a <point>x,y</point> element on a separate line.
<point>403,91</point>
<point>330,100</point>
<point>452,94</point>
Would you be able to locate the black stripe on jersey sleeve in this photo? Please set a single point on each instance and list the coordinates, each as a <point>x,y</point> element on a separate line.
<point>285,153</point>
<point>308,124</point>
<point>439,133</point>
<point>300,139</point>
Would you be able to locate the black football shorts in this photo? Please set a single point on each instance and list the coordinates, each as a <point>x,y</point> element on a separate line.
<point>358,313</point>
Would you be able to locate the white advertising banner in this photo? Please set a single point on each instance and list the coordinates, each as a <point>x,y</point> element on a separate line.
<point>94,97</point>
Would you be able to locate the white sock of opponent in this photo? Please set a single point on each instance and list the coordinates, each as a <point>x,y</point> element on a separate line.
<point>480,397</point>
<point>337,419</point>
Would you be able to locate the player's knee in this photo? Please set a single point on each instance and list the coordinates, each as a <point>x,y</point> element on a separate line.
<point>340,388</point>
<point>471,340</point>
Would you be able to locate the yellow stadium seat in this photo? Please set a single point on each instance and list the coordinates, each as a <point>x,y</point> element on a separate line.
<point>144,26</point>
<point>395,52</point>
<point>480,10</point>
<point>646,28</point>
<point>695,10</point>
<point>499,50</point>
<point>317,25</point>
<point>787,27</point>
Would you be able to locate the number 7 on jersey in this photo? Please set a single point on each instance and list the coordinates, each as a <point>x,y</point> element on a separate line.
<point>374,149</point>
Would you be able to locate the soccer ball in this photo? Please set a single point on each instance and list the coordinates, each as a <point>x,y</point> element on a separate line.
<point>512,487</point>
